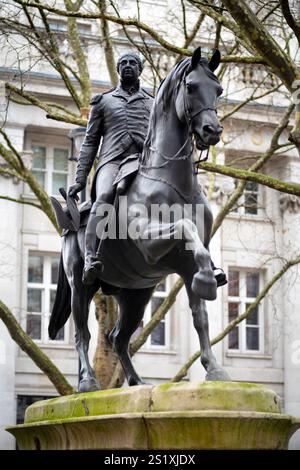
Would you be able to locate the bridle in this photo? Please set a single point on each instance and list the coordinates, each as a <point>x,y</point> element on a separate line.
<point>177,156</point>
<point>189,119</point>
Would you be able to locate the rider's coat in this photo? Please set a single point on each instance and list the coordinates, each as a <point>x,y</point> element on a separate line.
<point>119,120</point>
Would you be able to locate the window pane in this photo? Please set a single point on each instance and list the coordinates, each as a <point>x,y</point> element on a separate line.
<point>34,326</point>
<point>233,310</point>
<point>253,317</point>
<point>61,333</point>
<point>251,203</point>
<point>233,339</point>
<point>233,283</point>
<point>58,181</point>
<point>40,177</point>
<point>252,338</point>
<point>54,269</point>
<point>34,300</point>
<point>52,299</point>
<point>35,268</point>
<point>251,186</point>
<point>38,157</point>
<point>252,281</point>
<point>158,335</point>
<point>60,159</point>
<point>155,303</point>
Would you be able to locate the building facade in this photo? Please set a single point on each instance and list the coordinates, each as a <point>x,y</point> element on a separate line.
<point>253,241</point>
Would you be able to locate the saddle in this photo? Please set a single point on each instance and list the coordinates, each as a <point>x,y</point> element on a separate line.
<point>71,218</point>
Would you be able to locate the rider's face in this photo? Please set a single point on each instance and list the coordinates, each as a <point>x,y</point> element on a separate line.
<point>129,69</point>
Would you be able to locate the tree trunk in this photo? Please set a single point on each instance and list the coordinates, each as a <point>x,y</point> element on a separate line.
<point>105,358</point>
<point>34,352</point>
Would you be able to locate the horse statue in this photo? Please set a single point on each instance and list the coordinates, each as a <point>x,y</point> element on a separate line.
<point>184,113</point>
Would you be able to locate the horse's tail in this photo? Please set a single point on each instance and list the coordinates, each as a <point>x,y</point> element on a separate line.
<point>62,305</point>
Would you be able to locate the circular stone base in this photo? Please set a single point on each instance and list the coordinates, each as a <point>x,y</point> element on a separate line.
<point>185,415</point>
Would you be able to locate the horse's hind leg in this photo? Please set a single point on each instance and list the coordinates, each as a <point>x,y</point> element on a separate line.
<point>81,297</point>
<point>80,301</point>
<point>132,303</point>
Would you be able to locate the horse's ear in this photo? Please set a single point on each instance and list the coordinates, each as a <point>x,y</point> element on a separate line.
<point>196,57</point>
<point>215,60</point>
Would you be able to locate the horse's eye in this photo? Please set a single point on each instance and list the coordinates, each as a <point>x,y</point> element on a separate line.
<point>190,87</point>
<point>220,91</point>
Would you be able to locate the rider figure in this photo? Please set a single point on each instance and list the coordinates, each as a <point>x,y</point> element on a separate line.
<point>120,118</point>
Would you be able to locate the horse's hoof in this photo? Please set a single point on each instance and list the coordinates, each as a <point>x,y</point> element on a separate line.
<point>88,385</point>
<point>218,374</point>
<point>205,285</point>
<point>134,382</point>
<point>220,277</point>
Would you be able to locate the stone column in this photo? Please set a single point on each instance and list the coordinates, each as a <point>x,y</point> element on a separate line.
<point>290,206</point>
<point>10,284</point>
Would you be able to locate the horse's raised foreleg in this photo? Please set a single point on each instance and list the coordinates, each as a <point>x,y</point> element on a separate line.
<point>159,239</point>
<point>132,303</point>
<point>200,319</point>
<point>204,283</point>
<point>81,297</point>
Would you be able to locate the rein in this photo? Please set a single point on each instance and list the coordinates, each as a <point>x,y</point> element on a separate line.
<point>189,119</point>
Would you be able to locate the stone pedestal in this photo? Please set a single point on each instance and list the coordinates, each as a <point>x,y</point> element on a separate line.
<point>206,415</point>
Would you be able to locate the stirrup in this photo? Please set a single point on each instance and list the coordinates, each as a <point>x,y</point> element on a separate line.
<point>220,277</point>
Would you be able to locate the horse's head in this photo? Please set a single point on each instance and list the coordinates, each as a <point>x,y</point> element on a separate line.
<point>197,97</point>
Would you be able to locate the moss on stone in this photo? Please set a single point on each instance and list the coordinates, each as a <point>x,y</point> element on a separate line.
<point>181,396</point>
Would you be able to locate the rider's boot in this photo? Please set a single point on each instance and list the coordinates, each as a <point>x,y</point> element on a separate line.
<point>92,265</point>
<point>220,275</point>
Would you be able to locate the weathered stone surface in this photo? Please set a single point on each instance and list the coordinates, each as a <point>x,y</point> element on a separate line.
<point>207,415</point>
<point>104,402</point>
<point>230,396</point>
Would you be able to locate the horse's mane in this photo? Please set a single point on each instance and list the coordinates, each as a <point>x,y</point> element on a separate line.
<point>168,90</point>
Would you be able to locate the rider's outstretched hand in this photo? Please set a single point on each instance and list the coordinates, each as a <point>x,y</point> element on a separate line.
<point>75,188</point>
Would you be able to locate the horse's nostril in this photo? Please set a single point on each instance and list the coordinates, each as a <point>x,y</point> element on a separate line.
<point>211,130</point>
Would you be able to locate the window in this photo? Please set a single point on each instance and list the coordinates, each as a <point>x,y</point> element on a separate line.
<point>42,279</point>
<point>249,202</point>
<point>160,336</point>
<point>50,167</point>
<point>243,288</point>
<point>23,401</point>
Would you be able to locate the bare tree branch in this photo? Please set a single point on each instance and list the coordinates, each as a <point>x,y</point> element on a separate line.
<point>274,183</point>
<point>51,114</point>
<point>183,371</point>
<point>21,201</point>
<point>108,49</point>
<point>34,352</point>
<point>293,24</point>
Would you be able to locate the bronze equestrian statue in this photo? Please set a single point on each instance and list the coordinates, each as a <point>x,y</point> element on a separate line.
<point>121,118</point>
<point>130,267</point>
